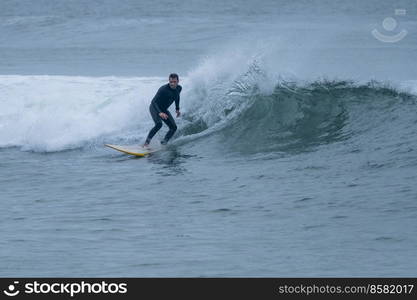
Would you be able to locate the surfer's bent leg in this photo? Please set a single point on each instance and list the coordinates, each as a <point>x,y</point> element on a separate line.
<point>172,127</point>
<point>158,124</point>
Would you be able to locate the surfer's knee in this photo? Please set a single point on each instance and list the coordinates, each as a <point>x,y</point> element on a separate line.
<point>173,127</point>
<point>158,125</point>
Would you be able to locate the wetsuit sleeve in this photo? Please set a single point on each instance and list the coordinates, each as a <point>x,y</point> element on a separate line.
<point>156,107</point>
<point>158,94</point>
<point>177,101</point>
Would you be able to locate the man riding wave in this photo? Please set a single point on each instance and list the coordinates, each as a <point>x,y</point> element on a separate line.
<point>166,95</point>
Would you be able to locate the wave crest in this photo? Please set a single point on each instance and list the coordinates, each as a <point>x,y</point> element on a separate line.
<point>293,116</point>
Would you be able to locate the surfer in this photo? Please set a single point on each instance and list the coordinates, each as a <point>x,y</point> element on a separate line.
<point>166,94</point>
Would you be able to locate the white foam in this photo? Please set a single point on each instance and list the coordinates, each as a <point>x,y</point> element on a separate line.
<point>53,113</point>
<point>410,86</point>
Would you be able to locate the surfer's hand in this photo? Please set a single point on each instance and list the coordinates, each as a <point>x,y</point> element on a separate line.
<point>178,113</point>
<point>163,115</point>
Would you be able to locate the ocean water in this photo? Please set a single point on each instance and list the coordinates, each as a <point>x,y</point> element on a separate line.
<point>296,153</point>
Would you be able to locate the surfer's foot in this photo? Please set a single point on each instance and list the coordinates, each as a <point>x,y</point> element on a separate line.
<point>164,142</point>
<point>146,145</point>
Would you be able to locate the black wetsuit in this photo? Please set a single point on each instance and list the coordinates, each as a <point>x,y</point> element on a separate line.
<point>160,103</point>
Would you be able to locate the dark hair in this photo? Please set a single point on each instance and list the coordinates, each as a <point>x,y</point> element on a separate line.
<point>173,75</point>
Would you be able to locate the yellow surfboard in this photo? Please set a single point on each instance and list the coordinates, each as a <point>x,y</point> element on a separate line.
<point>132,150</point>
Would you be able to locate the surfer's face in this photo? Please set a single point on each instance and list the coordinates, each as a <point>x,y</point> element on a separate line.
<point>173,82</point>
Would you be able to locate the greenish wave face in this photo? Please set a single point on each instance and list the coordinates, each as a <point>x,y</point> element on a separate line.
<point>299,117</point>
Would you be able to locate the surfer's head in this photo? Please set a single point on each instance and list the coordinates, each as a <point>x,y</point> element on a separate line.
<point>173,80</point>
